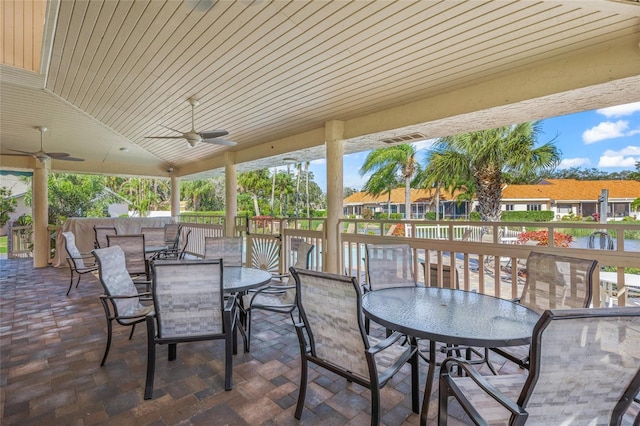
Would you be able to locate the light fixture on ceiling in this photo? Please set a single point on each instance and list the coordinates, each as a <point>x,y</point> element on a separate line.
<point>124,149</point>
<point>289,160</point>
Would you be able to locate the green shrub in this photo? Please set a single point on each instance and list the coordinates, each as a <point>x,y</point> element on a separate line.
<point>367,214</point>
<point>527,216</point>
<point>474,216</point>
<point>430,215</point>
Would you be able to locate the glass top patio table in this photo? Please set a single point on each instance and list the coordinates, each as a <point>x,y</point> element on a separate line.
<point>450,316</point>
<point>242,278</point>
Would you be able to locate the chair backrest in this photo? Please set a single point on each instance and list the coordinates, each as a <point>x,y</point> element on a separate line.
<point>389,265</point>
<point>184,242</point>
<point>600,240</point>
<point>101,233</point>
<point>448,280</point>
<point>172,234</point>
<point>153,236</point>
<point>330,307</point>
<point>583,362</point>
<point>188,297</point>
<point>303,255</point>
<point>72,250</point>
<point>133,247</point>
<point>557,282</point>
<point>227,248</point>
<point>115,279</point>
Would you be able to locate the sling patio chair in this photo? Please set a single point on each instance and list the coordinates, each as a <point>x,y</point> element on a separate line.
<point>552,282</point>
<point>79,263</point>
<point>388,265</point>
<point>100,233</point>
<point>121,299</point>
<point>189,305</point>
<point>278,296</point>
<point>133,247</point>
<point>331,335</point>
<point>585,369</point>
<point>227,248</point>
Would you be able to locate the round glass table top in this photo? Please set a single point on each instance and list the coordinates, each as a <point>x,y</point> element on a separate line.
<point>451,316</point>
<point>241,278</point>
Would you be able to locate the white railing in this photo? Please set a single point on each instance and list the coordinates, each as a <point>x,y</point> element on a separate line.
<point>495,244</point>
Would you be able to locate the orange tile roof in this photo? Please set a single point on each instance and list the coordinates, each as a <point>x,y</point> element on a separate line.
<point>397,196</point>
<point>549,189</point>
<point>573,190</point>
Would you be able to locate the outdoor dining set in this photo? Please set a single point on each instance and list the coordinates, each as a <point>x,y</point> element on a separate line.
<point>576,364</point>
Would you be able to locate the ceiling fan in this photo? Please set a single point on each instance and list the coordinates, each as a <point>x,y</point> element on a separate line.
<point>42,155</point>
<point>193,137</point>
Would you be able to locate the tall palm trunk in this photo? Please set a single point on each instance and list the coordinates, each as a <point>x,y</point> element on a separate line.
<point>306,172</point>
<point>273,189</point>
<point>407,197</point>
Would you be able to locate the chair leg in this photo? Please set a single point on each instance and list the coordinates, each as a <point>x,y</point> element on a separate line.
<point>151,358</point>
<point>247,341</point>
<point>70,281</point>
<point>173,350</point>
<point>78,282</point>
<point>106,349</point>
<point>415,378</point>
<point>443,402</point>
<point>228,362</point>
<point>303,387</point>
<point>375,405</point>
<point>133,328</point>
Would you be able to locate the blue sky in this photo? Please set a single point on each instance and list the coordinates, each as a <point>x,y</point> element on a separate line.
<point>607,139</point>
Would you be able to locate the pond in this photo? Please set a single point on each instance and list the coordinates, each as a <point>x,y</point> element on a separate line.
<point>629,245</point>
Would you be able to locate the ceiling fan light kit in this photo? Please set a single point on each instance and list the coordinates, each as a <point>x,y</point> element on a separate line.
<point>193,137</point>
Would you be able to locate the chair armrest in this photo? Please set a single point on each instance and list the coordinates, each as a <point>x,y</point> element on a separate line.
<point>145,294</point>
<point>230,303</point>
<point>482,383</point>
<point>302,341</point>
<point>270,289</point>
<point>384,344</point>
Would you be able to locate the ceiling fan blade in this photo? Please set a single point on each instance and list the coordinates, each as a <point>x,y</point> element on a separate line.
<point>211,134</point>
<point>16,155</point>
<point>164,137</point>
<point>22,152</point>
<point>173,130</point>
<point>219,141</point>
<point>57,155</point>
<point>68,158</point>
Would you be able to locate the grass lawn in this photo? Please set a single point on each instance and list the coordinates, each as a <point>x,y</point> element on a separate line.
<point>3,245</point>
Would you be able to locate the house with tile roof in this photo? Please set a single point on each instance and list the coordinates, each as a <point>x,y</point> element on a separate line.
<point>422,201</point>
<point>562,196</point>
<point>571,196</point>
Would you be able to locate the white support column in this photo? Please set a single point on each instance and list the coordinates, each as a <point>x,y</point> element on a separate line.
<point>231,193</point>
<point>175,198</point>
<point>40,214</point>
<point>333,139</point>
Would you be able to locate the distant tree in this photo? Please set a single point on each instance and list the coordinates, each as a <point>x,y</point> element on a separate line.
<point>73,195</point>
<point>380,184</point>
<point>387,164</point>
<point>254,183</point>
<point>484,157</point>
<point>348,191</point>
<point>203,195</point>
<point>7,205</point>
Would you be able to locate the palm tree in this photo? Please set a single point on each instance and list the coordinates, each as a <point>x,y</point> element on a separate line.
<point>252,183</point>
<point>393,161</point>
<point>381,183</point>
<point>483,157</point>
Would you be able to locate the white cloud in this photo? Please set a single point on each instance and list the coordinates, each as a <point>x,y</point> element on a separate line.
<point>605,130</point>
<point>567,163</point>
<point>625,158</point>
<point>620,110</point>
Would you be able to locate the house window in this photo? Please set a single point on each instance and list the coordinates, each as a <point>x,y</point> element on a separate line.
<point>508,207</point>
<point>534,207</point>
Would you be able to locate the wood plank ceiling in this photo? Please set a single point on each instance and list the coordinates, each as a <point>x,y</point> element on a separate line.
<point>272,73</point>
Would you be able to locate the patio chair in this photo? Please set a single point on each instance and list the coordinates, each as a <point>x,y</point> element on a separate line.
<point>121,299</point>
<point>331,335</point>
<point>189,303</point>
<point>227,248</point>
<point>388,265</point>
<point>585,369</point>
<point>133,247</point>
<point>278,296</point>
<point>79,263</point>
<point>552,282</point>
<point>172,235</point>
<point>174,253</point>
<point>154,236</point>
<point>101,233</point>
<point>600,240</point>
